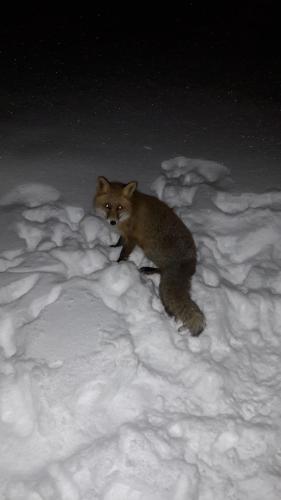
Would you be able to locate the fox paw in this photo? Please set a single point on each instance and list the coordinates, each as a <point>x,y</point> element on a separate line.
<point>195,324</point>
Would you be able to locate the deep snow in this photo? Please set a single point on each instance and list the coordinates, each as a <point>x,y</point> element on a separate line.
<point>100,397</point>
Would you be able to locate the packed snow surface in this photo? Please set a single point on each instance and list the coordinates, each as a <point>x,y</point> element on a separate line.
<point>100,397</point>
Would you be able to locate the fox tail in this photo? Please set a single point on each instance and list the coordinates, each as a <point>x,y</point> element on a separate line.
<point>175,284</point>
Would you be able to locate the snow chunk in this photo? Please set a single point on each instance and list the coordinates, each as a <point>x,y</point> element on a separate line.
<point>30,233</point>
<point>7,333</point>
<point>233,203</point>
<point>66,214</point>
<point>96,230</point>
<point>6,263</point>
<point>30,195</point>
<point>17,288</point>
<point>38,304</point>
<point>182,177</point>
<point>16,405</point>
<point>118,278</point>
<point>75,214</point>
<point>19,491</point>
<point>34,233</point>
<point>194,170</point>
<point>173,192</point>
<point>80,262</point>
<point>65,487</point>
<point>121,288</point>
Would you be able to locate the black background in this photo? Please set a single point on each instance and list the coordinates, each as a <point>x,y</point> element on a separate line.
<point>208,42</point>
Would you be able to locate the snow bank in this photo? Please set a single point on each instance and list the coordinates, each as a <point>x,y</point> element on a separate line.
<point>100,397</point>
<point>30,195</point>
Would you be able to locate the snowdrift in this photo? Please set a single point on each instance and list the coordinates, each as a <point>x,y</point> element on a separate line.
<point>100,397</point>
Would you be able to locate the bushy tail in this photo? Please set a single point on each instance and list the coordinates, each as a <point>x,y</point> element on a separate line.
<point>175,286</point>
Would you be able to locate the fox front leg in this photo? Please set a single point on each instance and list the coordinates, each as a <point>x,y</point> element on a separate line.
<point>119,243</point>
<point>128,247</point>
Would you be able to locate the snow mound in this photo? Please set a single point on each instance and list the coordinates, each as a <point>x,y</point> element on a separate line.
<point>31,195</point>
<point>96,230</point>
<point>194,170</point>
<point>100,398</point>
<point>181,173</point>
<point>237,202</point>
<point>65,214</point>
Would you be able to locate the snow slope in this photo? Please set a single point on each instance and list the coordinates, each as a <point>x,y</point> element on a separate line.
<point>100,397</point>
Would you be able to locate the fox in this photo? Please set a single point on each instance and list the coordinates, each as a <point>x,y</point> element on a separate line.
<point>145,221</point>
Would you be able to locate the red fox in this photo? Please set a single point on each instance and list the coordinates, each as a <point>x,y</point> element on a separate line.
<point>146,221</point>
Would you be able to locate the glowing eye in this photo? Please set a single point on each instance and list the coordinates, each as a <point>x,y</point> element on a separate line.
<point>107,205</point>
<point>119,207</point>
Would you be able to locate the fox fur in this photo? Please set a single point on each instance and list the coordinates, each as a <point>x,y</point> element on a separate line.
<point>147,222</point>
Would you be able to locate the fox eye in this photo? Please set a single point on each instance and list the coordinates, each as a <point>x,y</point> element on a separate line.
<point>119,207</point>
<point>107,205</point>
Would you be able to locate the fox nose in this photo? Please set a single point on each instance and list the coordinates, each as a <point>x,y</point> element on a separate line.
<point>113,222</point>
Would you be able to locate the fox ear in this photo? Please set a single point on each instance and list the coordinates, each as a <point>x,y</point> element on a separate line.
<point>103,185</point>
<point>129,189</point>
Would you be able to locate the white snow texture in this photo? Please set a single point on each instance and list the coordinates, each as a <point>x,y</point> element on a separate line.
<point>100,397</point>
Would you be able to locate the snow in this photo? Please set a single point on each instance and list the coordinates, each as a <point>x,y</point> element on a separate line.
<point>100,397</point>
<point>30,195</point>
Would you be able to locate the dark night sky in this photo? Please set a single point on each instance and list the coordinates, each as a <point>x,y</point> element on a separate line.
<point>212,42</point>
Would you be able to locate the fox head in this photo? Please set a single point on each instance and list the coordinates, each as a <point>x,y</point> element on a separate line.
<point>113,200</point>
